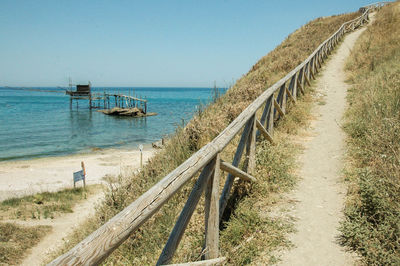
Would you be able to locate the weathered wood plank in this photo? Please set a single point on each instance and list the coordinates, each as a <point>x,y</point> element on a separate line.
<point>312,67</point>
<point>270,118</point>
<point>312,74</point>
<point>227,167</point>
<point>236,160</point>
<point>251,166</point>
<point>316,64</point>
<point>300,82</point>
<point>264,116</point>
<point>319,61</point>
<point>217,261</point>
<point>212,213</point>
<point>184,218</point>
<point>282,97</point>
<point>290,95</point>
<point>295,77</point>
<point>325,51</point>
<point>307,78</point>
<point>278,108</point>
<point>293,86</point>
<point>267,109</point>
<point>279,101</point>
<point>303,78</point>
<point>265,133</point>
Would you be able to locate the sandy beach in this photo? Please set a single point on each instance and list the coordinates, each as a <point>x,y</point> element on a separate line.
<point>25,177</point>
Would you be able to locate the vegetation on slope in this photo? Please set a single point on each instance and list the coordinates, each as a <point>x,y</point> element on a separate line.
<point>15,240</point>
<point>273,167</point>
<point>44,205</point>
<point>372,225</point>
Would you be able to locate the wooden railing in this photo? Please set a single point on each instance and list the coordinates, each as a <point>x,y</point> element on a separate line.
<point>374,6</point>
<point>98,246</point>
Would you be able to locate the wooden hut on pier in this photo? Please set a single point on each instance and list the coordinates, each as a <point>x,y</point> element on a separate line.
<point>112,103</point>
<point>81,90</point>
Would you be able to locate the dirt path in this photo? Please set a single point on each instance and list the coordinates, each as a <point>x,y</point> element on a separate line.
<point>61,228</point>
<point>320,194</point>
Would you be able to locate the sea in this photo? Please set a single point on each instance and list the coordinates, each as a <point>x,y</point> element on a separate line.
<point>39,122</point>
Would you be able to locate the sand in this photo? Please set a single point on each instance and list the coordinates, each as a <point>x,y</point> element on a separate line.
<point>26,177</point>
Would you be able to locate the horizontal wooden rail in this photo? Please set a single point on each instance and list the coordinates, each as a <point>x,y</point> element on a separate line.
<point>99,245</point>
<point>227,167</point>
<point>217,261</point>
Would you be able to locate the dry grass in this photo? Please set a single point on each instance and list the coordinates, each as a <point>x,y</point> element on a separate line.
<point>274,166</point>
<point>252,233</point>
<point>15,240</point>
<point>44,205</point>
<point>372,225</point>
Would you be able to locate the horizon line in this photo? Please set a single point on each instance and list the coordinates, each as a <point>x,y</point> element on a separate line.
<point>62,87</point>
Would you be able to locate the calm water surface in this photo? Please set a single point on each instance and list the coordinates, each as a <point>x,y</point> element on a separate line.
<point>37,124</point>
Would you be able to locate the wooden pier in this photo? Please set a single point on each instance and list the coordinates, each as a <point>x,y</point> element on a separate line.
<point>112,100</point>
<point>105,100</point>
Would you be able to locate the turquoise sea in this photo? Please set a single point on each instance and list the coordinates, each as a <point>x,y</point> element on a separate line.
<point>41,123</point>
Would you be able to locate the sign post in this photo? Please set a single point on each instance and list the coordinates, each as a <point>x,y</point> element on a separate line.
<point>141,155</point>
<point>80,175</point>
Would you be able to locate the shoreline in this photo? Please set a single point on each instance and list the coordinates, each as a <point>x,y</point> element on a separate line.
<point>52,173</point>
<point>79,152</point>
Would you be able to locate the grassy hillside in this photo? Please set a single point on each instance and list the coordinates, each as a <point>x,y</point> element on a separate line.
<point>372,226</point>
<point>274,167</point>
<point>15,240</point>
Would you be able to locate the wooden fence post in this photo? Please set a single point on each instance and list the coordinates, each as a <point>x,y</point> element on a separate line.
<point>312,67</point>
<point>319,59</point>
<point>84,174</point>
<point>307,73</point>
<point>265,114</point>
<point>294,88</point>
<point>270,117</point>
<point>184,218</point>
<point>251,148</point>
<point>300,80</point>
<point>281,98</point>
<point>223,200</point>
<point>212,213</point>
<point>291,87</point>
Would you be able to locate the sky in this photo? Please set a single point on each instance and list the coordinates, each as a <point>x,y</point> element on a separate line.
<point>165,43</point>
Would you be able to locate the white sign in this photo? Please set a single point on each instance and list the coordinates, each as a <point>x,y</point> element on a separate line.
<point>140,147</point>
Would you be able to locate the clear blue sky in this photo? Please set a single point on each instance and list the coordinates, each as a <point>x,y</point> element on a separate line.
<point>145,43</point>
